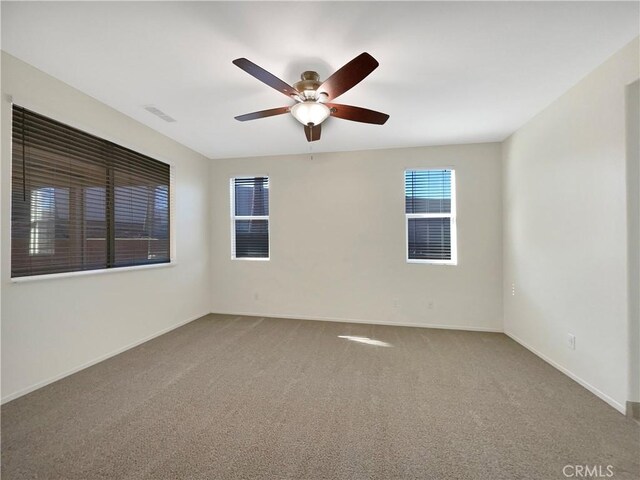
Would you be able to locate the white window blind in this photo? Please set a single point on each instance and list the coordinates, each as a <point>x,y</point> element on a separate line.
<point>250,217</point>
<point>430,211</point>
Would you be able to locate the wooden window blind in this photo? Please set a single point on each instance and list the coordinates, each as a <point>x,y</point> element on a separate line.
<point>83,203</point>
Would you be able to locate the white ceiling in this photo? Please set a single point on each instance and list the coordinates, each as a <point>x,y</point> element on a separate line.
<point>449,72</point>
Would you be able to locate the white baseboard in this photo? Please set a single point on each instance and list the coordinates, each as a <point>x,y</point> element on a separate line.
<point>24,391</point>
<point>603,396</point>
<point>357,320</point>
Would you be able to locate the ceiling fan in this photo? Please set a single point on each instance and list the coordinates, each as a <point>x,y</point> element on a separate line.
<point>313,96</point>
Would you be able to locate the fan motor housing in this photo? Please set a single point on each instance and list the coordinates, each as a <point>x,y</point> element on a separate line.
<point>310,80</point>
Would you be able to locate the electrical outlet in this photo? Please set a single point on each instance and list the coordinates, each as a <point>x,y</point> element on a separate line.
<point>396,303</point>
<point>256,296</point>
<point>430,304</point>
<point>571,341</point>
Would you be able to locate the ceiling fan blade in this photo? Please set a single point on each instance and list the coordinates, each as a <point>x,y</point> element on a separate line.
<point>348,76</point>
<point>265,77</point>
<point>357,114</point>
<point>263,113</point>
<point>312,133</point>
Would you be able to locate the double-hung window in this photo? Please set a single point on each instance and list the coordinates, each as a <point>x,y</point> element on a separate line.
<point>79,202</point>
<point>250,218</point>
<point>430,215</point>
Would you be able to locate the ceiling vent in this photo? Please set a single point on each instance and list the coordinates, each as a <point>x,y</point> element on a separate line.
<point>159,113</point>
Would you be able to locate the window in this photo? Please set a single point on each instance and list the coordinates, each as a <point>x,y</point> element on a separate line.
<point>82,203</point>
<point>430,211</point>
<point>43,221</point>
<point>250,218</point>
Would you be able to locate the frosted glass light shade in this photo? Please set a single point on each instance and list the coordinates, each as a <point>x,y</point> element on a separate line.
<point>310,112</point>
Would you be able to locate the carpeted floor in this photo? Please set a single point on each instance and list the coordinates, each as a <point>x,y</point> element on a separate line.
<point>245,397</point>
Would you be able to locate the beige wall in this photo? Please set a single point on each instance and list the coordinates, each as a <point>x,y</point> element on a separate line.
<point>338,240</point>
<point>53,327</point>
<point>565,230</point>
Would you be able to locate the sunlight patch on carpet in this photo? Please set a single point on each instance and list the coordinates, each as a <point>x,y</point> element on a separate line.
<point>366,340</point>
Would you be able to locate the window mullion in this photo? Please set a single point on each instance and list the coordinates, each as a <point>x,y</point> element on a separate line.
<point>429,215</point>
<point>251,217</point>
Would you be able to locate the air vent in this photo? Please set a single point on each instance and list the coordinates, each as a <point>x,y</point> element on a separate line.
<point>159,113</point>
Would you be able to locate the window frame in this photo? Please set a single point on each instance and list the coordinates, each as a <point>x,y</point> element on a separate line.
<point>452,215</point>
<point>73,122</point>
<point>234,217</point>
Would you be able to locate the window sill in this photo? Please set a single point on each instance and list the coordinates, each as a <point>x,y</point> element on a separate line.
<point>434,262</point>
<point>82,273</point>
<point>251,259</point>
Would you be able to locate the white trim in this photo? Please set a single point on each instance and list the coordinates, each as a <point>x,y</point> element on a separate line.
<point>55,378</point>
<point>232,212</point>
<point>432,262</point>
<point>251,259</point>
<point>603,396</point>
<point>428,215</point>
<point>251,217</point>
<point>452,216</point>
<point>358,320</point>
<point>173,215</point>
<point>81,273</point>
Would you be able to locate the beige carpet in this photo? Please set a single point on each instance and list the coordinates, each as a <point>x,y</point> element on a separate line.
<point>242,397</point>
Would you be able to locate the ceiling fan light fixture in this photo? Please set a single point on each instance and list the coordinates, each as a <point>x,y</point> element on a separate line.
<point>314,97</point>
<point>310,112</point>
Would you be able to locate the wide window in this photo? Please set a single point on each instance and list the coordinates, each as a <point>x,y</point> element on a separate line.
<point>430,211</point>
<point>250,218</point>
<point>82,203</point>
